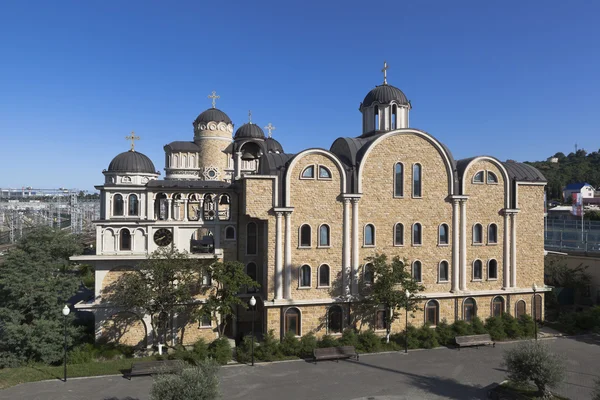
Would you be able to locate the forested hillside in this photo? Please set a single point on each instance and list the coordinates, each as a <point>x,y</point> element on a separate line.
<point>576,167</point>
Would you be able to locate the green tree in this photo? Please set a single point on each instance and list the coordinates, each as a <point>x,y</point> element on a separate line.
<point>558,274</point>
<point>36,280</point>
<point>391,280</point>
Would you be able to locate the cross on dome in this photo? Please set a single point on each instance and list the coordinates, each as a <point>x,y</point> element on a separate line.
<point>133,138</point>
<point>270,128</point>
<point>249,116</point>
<point>214,96</point>
<point>384,70</point>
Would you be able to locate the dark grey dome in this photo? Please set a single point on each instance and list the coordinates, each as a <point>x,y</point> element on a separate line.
<point>213,114</point>
<point>249,130</point>
<point>131,161</point>
<point>273,146</point>
<point>384,94</point>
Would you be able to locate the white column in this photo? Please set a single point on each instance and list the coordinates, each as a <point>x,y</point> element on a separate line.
<point>169,204</point>
<point>238,165</point>
<point>355,260</point>
<point>463,245</point>
<point>278,257</point>
<point>455,245</point>
<point>150,206</point>
<point>513,249</point>
<point>185,210</point>
<point>287,292</point>
<point>506,270</point>
<point>346,277</point>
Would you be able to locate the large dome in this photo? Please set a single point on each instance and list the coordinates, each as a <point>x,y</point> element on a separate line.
<point>249,131</point>
<point>132,161</point>
<point>385,94</point>
<point>273,146</point>
<point>213,115</point>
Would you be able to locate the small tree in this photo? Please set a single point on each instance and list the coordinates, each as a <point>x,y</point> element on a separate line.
<point>391,280</point>
<point>196,383</point>
<point>532,361</point>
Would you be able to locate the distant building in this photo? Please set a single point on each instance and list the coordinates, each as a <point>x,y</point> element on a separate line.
<point>553,160</point>
<point>587,191</point>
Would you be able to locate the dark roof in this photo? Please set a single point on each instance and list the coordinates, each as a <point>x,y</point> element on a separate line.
<point>523,172</point>
<point>167,184</point>
<point>182,146</point>
<point>461,165</point>
<point>273,146</point>
<point>249,130</point>
<point>384,94</point>
<point>350,150</point>
<point>213,114</point>
<point>273,163</point>
<point>576,186</point>
<point>131,161</point>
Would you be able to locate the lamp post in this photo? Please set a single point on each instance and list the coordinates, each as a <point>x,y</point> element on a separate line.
<point>252,303</point>
<point>534,287</point>
<point>65,311</point>
<point>407,293</point>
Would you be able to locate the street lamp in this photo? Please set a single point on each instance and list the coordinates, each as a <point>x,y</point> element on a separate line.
<point>407,293</point>
<point>252,303</point>
<point>534,287</point>
<point>65,311</point>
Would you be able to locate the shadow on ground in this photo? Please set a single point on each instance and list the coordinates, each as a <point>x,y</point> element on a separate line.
<point>122,398</point>
<point>591,338</point>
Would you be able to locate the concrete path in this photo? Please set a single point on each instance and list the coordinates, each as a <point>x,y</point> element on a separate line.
<point>425,374</point>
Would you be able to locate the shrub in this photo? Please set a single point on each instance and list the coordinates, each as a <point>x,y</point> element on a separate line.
<point>192,383</point>
<point>290,345</point>
<point>220,350</point>
<point>243,352</point>
<point>349,338</point>
<point>426,336</point>
<point>81,354</point>
<point>462,328</point>
<point>444,333</point>
<point>495,327</point>
<point>180,353</point>
<point>511,326</point>
<point>200,350</point>
<point>477,326</point>
<point>328,341</point>
<point>112,351</point>
<point>531,361</point>
<point>568,322</point>
<point>526,326</point>
<point>413,338</point>
<point>308,344</point>
<point>269,348</point>
<point>368,341</point>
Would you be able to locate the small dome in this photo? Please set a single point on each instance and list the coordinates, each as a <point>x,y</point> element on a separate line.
<point>273,146</point>
<point>384,94</point>
<point>132,161</point>
<point>213,115</point>
<point>249,130</point>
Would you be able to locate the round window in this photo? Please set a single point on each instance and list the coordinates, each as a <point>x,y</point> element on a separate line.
<point>212,173</point>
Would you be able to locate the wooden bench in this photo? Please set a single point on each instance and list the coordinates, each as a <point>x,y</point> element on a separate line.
<point>474,340</point>
<point>334,353</point>
<point>153,367</point>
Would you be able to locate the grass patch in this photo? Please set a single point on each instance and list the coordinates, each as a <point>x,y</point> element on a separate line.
<point>511,390</point>
<point>14,376</point>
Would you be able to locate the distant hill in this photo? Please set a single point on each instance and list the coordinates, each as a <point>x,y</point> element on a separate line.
<point>576,167</point>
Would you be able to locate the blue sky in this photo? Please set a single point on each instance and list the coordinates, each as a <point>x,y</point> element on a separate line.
<point>513,79</point>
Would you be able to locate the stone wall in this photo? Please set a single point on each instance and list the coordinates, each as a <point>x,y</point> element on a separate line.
<point>530,235</point>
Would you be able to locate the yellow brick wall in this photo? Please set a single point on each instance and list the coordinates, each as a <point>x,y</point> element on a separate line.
<point>124,328</point>
<point>530,236</point>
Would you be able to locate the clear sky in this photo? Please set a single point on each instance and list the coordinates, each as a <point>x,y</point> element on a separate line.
<point>513,79</point>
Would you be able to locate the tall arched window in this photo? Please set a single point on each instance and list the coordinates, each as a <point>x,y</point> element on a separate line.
<point>376,127</point>
<point>305,236</point>
<point>118,205</point>
<point>398,234</point>
<point>417,234</point>
<point>537,308</point>
<point>394,117</point>
<point>368,274</point>
<point>443,274</point>
<point>252,272</point>
<point>492,269</point>
<point>497,306</point>
<point>369,239</point>
<point>230,233</point>
<point>334,319</point>
<point>252,238</point>
<point>304,276</point>
<point>469,309</point>
<point>417,180</point>
<point>125,239</point>
<point>520,308</point>
<point>133,205</point>
<point>399,180</point>
<point>416,271</point>
<point>432,312</point>
<point>477,234</point>
<point>324,275</point>
<point>324,236</point>
<point>292,321</point>
<point>492,234</point>
<point>443,236</point>
<point>477,270</point>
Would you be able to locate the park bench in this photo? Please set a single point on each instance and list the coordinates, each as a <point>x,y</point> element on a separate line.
<point>153,367</point>
<point>334,353</point>
<point>474,340</point>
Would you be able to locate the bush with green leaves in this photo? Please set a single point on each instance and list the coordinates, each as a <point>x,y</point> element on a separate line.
<point>81,354</point>
<point>290,345</point>
<point>349,338</point>
<point>511,326</point>
<point>368,342</point>
<point>181,353</point>
<point>200,350</point>
<point>444,333</point>
<point>220,350</point>
<point>328,341</point>
<point>268,350</point>
<point>526,326</point>
<point>495,327</point>
<point>427,338</point>
<point>477,326</point>
<point>308,344</point>
<point>462,328</point>
<point>243,352</point>
<point>532,361</point>
<point>413,338</point>
<point>200,382</point>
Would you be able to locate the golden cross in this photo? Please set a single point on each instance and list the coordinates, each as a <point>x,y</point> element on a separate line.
<point>132,137</point>
<point>384,70</point>
<point>270,128</point>
<point>249,116</point>
<point>214,98</point>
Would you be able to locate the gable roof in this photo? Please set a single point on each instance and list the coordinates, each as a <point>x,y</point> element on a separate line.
<point>576,186</point>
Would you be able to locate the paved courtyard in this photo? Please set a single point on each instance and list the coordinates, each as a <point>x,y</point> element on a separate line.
<point>425,374</point>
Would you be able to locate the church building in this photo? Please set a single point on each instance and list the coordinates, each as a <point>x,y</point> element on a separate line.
<point>303,224</point>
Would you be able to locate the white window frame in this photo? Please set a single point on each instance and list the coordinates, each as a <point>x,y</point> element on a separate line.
<point>439,235</point>
<point>412,235</point>
<point>412,271</point>
<point>324,246</point>
<point>473,279</point>
<point>483,178</point>
<point>487,179</point>
<point>394,188</point>
<point>447,272</point>
<point>412,192</point>
<point>314,167</point>
<point>488,270</point>
<point>300,277</point>
<point>473,242</point>
<point>300,246</point>
<point>488,234</point>
<point>394,234</point>
<point>319,177</point>
<point>319,286</point>
<point>365,235</point>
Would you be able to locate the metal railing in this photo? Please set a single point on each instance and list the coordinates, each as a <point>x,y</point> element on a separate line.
<point>572,235</point>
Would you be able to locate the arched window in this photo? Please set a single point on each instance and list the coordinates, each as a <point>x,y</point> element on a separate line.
<point>376,118</point>
<point>394,116</point>
<point>133,205</point>
<point>469,309</point>
<point>230,233</point>
<point>491,178</point>
<point>443,237</point>
<point>369,239</point>
<point>324,275</point>
<point>497,306</point>
<point>432,312</point>
<point>477,234</point>
<point>224,207</point>
<point>398,234</point>
<point>309,172</point>
<point>292,321</point>
<point>537,308</point>
<point>443,274</point>
<point>161,207</point>
<point>118,205</point>
<point>252,238</point>
<point>417,234</point>
<point>304,276</point>
<point>252,272</point>
<point>417,189</point>
<point>399,180</point>
<point>478,177</point>
<point>305,236</point>
<point>125,239</point>
<point>324,172</point>
<point>492,234</point>
<point>416,271</point>
<point>492,269</point>
<point>520,308</point>
<point>477,270</point>
<point>368,273</point>
<point>324,236</point>
<point>334,319</point>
